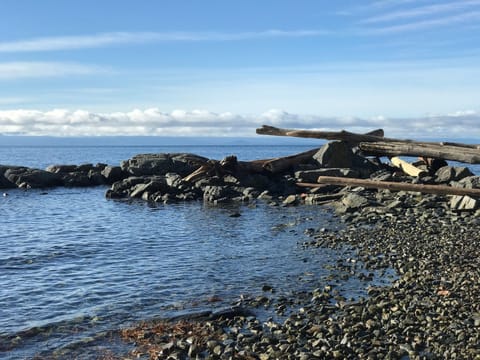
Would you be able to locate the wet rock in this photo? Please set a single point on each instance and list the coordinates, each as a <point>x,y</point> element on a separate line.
<point>218,194</point>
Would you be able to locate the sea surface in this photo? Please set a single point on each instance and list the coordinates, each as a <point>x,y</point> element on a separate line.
<point>74,264</point>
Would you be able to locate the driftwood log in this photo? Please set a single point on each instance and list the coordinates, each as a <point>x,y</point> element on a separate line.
<point>230,165</point>
<point>375,144</point>
<point>465,154</point>
<point>407,168</point>
<point>395,186</point>
<point>375,135</point>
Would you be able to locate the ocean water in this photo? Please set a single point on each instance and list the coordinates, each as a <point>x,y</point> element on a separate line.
<point>74,264</point>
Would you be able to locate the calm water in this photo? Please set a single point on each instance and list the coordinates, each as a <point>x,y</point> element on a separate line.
<point>74,264</point>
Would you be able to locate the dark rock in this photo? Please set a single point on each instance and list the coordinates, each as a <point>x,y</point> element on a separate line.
<point>382,175</point>
<point>365,166</point>
<point>258,181</point>
<point>113,174</point>
<point>76,179</point>
<point>85,167</point>
<point>451,173</point>
<point>122,188</point>
<point>4,182</point>
<point>312,175</point>
<point>161,164</point>
<point>219,193</point>
<point>469,182</point>
<point>33,178</point>
<point>335,154</point>
<point>60,169</point>
<point>156,184</point>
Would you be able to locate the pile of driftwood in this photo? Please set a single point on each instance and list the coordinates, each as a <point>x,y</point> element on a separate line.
<point>373,143</point>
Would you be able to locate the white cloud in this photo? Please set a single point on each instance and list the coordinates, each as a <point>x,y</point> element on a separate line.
<point>467,17</point>
<point>423,10</point>
<point>15,70</point>
<point>116,38</point>
<point>152,121</point>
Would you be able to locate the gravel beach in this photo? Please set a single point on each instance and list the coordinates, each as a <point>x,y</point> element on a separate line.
<point>430,311</point>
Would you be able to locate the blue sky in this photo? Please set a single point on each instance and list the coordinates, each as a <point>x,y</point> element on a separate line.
<point>157,67</point>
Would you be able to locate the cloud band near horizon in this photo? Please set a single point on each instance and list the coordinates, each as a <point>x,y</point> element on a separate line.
<point>152,121</point>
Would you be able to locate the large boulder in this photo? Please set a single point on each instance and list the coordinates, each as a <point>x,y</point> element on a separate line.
<point>4,182</point>
<point>113,174</point>
<point>451,173</point>
<point>157,184</point>
<point>161,164</point>
<point>335,154</point>
<point>32,178</point>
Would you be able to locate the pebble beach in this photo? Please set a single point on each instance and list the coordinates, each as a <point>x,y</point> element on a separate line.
<point>431,311</point>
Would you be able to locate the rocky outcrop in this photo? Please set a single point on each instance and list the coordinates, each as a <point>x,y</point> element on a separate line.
<point>166,178</point>
<point>26,178</point>
<point>161,164</point>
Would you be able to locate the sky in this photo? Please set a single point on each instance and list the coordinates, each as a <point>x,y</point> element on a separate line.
<point>224,68</point>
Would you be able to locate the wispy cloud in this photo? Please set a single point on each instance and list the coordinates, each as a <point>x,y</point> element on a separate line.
<point>16,70</point>
<point>117,38</point>
<point>422,11</point>
<point>62,122</point>
<point>426,24</point>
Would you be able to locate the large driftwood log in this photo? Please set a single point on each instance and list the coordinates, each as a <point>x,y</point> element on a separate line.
<point>374,143</point>
<point>465,154</point>
<point>375,135</point>
<point>396,186</point>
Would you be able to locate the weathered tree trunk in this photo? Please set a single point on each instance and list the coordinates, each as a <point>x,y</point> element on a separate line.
<point>280,164</point>
<point>376,135</point>
<point>407,168</point>
<point>373,143</point>
<point>438,151</point>
<point>396,186</point>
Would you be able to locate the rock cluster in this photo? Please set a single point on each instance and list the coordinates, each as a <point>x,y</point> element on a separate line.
<point>59,175</point>
<point>169,178</point>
